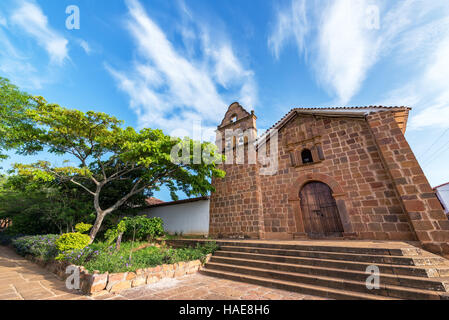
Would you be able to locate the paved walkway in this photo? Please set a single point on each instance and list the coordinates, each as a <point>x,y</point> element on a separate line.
<point>21,279</point>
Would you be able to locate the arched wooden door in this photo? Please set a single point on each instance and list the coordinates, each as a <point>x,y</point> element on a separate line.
<point>319,211</point>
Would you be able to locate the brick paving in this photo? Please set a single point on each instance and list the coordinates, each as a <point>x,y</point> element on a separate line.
<point>21,279</point>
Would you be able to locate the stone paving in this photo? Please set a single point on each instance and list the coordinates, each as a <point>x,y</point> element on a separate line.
<point>201,287</point>
<point>21,279</point>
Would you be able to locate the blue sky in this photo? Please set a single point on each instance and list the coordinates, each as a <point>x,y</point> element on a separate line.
<point>165,64</point>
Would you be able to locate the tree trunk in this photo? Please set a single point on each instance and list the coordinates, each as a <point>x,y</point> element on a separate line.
<point>119,241</point>
<point>96,226</point>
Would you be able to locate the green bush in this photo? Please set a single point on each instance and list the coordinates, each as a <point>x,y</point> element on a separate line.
<point>138,228</point>
<point>82,227</point>
<point>42,246</point>
<point>143,228</point>
<point>72,241</point>
<point>103,257</point>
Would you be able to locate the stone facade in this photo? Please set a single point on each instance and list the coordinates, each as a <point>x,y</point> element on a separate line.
<point>361,154</point>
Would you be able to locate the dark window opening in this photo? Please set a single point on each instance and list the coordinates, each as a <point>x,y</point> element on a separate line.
<point>306,156</point>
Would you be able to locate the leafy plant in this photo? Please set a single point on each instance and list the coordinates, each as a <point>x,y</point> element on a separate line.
<point>112,234</point>
<point>42,246</point>
<point>82,227</point>
<point>103,257</point>
<point>72,241</point>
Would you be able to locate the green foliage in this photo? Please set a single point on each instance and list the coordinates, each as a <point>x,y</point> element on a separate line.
<point>42,208</point>
<point>108,154</point>
<point>42,246</point>
<point>142,227</point>
<point>136,228</point>
<point>16,128</point>
<point>82,227</point>
<point>72,241</point>
<point>102,257</point>
<point>113,233</point>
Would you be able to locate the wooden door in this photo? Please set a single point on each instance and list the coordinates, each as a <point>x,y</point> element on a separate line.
<point>319,211</point>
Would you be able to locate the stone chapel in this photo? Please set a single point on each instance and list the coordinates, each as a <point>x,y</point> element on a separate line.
<point>342,173</point>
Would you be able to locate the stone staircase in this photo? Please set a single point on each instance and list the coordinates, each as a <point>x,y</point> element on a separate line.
<point>331,269</point>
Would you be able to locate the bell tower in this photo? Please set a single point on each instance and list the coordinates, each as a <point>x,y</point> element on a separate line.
<point>236,204</point>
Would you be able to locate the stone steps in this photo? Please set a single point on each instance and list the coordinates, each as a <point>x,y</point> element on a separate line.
<point>383,259</point>
<point>352,286</point>
<point>295,287</point>
<point>434,284</point>
<point>434,271</point>
<point>332,269</point>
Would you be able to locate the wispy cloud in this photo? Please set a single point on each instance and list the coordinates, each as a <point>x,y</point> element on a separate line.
<point>30,18</point>
<point>26,18</point>
<point>171,86</point>
<point>344,39</point>
<point>291,24</point>
<point>85,45</point>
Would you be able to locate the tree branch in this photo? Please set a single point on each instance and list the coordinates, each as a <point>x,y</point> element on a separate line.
<point>79,184</point>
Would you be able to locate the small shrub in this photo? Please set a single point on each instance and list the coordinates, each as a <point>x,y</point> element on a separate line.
<point>82,227</point>
<point>42,246</point>
<point>72,241</point>
<point>145,228</point>
<point>79,257</point>
<point>138,228</point>
<point>113,233</point>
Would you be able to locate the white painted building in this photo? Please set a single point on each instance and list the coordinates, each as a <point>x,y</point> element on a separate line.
<point>442,192</point>
<point>189,217</point>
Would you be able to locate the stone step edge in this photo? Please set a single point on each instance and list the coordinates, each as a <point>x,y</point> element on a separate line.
<point>326,278</point>
<point>320,248</point>
<point>397,266</point>
<point>288,285</point>
<point>228,248</point>
<point>438,281</point>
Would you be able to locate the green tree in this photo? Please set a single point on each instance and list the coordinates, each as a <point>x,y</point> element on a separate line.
<point>16,127</point>
<point>36,207</point>
<point>107,153</point>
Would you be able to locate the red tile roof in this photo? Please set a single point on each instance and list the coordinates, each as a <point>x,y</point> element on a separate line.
<point>152,201</point>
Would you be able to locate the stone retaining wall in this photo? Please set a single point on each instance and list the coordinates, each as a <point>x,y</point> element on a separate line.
<point>97,283</point>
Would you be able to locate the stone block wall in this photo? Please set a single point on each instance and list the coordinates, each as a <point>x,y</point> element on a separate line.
<point>351,166</point>
<point>416,196</point>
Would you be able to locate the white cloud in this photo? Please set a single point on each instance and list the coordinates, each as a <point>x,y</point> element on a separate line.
<point>85,45</point>
<point>3,21</point>
<point>30,18</point>
<point>423,48</point>
<point>170,89</point>
<point>291,23</point>
<point>342,48</point>
<point>17,63</point>
<point>428,91</point>
<point>347,48</point>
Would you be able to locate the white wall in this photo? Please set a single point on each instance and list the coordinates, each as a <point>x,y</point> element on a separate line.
<point>443,195</point>
<point>188,218</point>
